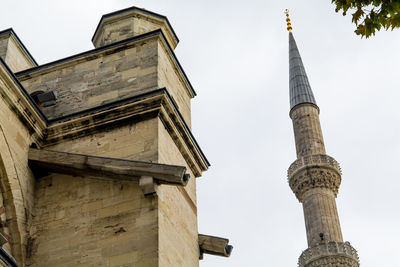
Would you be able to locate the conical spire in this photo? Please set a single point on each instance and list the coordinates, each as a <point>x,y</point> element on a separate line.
<point>300,89</point>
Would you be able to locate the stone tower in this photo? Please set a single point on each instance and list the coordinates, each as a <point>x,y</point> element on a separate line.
<point>314,177</point>
<point>98,164</point>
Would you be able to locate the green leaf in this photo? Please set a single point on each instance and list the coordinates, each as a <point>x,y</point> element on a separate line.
<point>357,15</point>
<point>375,14</point>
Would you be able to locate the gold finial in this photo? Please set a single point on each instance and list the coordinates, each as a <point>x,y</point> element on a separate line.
<point>289,25</point>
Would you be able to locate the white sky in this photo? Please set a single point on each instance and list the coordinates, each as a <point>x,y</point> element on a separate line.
<point>236,56</point>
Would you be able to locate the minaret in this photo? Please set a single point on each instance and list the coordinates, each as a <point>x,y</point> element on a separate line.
<point>314,177</point>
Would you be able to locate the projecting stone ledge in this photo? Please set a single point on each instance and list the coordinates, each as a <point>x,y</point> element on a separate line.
<point>147,174</point>
<point>330,254</point>
<point>214,245</point>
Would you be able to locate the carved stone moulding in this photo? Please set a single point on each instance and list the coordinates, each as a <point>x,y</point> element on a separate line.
<point>314,177</point>
<point>315,171</point>
<point>330,254</point>
<point>319,160</point>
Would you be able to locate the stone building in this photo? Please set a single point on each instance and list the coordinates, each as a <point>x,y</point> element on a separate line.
<point>98,164</point>
<point>314,177</point>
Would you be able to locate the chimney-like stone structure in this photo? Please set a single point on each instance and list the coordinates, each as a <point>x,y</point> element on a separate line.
<point>314,177</point>
<point>131,22</point>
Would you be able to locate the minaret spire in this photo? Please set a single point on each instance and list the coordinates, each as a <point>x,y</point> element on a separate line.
<point>300,89</point>
<point>314,177</point>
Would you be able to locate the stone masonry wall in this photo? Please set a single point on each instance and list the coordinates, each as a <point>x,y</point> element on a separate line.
<point>135,141</point>
<point>141,25</point>
<point>123,29</point>
<point>93,82</point>
<point>129,25</point>
<point>88,222</point>
<point>115,31</point>
<point>99,79</point>
<point>16,59</point>
<point>177,212</point>
<point>99,223</point>
<point>168,77</point>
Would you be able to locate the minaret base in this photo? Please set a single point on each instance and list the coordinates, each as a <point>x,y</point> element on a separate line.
<point>330,254</point>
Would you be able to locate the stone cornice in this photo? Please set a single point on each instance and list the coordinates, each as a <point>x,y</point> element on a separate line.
<point>19,101</point>
<point>157,103</point>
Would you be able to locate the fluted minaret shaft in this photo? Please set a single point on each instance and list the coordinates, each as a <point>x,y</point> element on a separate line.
<point>314,177</point>
<point>319,184</point>
<point>307,130</point>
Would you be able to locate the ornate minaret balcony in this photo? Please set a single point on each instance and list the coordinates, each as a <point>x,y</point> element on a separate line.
<point>314,171</point>
<point>329,254</point>
<point>314,177</point>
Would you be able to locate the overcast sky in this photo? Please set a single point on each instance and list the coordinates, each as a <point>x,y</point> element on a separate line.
<point>236,55</point>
